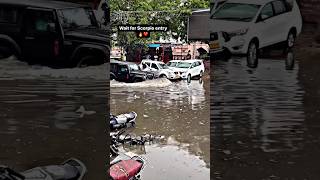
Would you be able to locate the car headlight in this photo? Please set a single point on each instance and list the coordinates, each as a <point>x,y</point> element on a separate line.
<point>239,32</point>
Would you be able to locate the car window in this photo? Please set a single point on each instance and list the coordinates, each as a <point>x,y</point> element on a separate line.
<point>163,66</point>
<point>154,66</point>
<point>279,7</point>
<point>266,12</point>
<point>8,15</point>
<point>39,21</point>
<point>144,65</point>
<point>289,4</point>
<point>76,18</point>
<point>123,68</point>
<point>113,67</point>
<point>236,12</point>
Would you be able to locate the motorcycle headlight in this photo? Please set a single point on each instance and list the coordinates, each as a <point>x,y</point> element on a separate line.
<point>239,32</point>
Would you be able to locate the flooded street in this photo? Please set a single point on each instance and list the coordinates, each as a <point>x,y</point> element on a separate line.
<point>265,120</point>
<point>180,112</point>
<point>50,115</point>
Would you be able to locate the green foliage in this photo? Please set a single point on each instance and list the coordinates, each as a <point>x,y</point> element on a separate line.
<point>175,16</point>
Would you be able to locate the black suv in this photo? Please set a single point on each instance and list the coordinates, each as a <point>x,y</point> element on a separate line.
<point>127,72</point>
<point>52,32</point>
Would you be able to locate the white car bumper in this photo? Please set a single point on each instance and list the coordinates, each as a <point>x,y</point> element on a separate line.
<point>235,45</point>
<point>174,76</point>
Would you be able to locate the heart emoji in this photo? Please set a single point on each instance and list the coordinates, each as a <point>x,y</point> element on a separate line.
<point>145,34</point>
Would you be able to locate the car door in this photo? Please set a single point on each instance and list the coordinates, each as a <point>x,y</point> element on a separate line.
<point>282,21</point>
<point>154,67</point>
<point>40,34</point>
<point>266,26</point>
<point>193,69</point>
<point>123,72</point>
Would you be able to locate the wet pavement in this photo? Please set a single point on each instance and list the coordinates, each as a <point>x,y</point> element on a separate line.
<point>264,121</point>
<point>50,115</point>
<point>180,112</point>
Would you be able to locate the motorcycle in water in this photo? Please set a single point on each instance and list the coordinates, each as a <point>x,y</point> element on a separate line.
<point>72,169</point>
<point>122,121</point>
<point>126,166</point>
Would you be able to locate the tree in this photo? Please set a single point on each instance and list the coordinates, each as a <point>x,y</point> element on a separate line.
<point>173,13</point>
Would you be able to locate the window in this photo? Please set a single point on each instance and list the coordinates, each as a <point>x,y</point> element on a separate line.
<point>113,67</point>
<point>279,7</point>
<point>39,21</point>
<point>8,15</point>
<point>154,66</point>
<point>237,12</point>
<point>76,17</point>
<point>123,68</point>
<point>267,11</point>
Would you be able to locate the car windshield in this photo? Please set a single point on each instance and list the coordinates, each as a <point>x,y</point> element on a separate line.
<point>183,65</point>
<point>237,12</point>
<point>134,67</point>
<point>172,64</point>
<point>76,18</point>
<point>163,66</point>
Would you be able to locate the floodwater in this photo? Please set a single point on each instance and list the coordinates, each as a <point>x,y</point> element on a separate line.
<point>49,115</point>
<point>180,112</point>
<point>264,120</point>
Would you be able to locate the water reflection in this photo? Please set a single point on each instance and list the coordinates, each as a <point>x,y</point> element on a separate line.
<point>40,124</point>
<point>258,118</point>
<point>180,112</point>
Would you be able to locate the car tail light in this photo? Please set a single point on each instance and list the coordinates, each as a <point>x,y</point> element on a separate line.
<point>56,48</point>
<point>127,76</point>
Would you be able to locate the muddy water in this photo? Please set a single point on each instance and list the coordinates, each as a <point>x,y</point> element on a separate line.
<point>42,118</point>
<point>261,127</point>
<point>180,112</point>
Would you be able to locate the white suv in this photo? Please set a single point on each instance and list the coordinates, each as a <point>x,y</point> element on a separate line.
<point>190,68</point>
<point>159,68</point>
<point>245,26</point>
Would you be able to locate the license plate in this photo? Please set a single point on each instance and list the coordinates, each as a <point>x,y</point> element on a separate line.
<point>214,45</point>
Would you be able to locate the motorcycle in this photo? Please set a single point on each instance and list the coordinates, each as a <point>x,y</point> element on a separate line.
<point>122,121</point>
<point>72,169</point>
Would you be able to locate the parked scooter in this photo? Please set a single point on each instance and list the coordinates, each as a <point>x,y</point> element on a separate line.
<point>122,120</point>
<point>123,166</point>
<point>72,169</point>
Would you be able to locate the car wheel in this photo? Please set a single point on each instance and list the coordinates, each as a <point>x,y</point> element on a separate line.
<point>85,61</point>
<point>189,78</point>
<point>291,39</point>
<point>5,52</point>
<point>112,77</point>
<point>136,80</point>
<point>162,76</point>
<point>252,54</point>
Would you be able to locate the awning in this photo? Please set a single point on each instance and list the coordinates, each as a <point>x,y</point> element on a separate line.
<point>153,45</point>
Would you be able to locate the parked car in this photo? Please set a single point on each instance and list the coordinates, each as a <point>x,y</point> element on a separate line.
<point>127,72</point>
<point>190,68</point>
<point>173,63</point>
<point>52,32</point>
<point>159,68</point>
<point>244,27</point>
